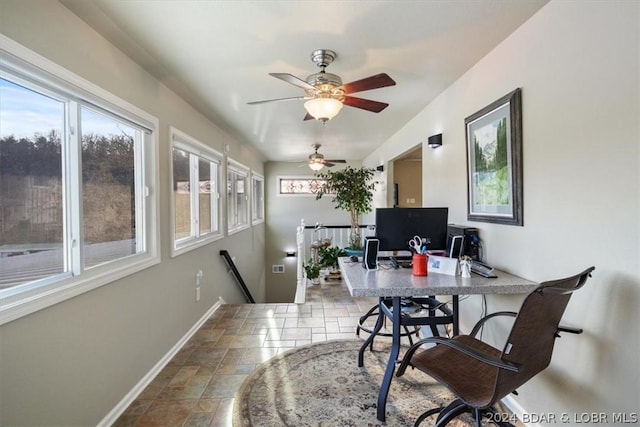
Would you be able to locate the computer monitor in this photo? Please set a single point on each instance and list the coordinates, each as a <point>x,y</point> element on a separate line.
<point>396,226</point>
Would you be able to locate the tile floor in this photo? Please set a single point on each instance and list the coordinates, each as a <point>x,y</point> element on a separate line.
<point>197,387</point>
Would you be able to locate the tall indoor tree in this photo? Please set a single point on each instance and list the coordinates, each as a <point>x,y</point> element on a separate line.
<point>352,191</point>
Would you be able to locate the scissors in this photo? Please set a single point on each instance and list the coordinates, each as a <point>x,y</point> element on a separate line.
<point>416,244</point>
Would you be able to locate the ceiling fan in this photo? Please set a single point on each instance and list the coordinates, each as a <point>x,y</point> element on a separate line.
<point>317,160</point>
<point>325,93</point>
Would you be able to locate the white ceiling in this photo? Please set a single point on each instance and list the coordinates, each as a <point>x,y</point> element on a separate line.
<point>217,55</point>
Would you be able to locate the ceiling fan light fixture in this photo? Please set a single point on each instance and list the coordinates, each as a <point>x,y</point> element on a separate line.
<point>315,166</point>
<point>323,108</point>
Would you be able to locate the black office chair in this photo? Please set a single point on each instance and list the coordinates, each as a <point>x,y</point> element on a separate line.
<point>479,374</point>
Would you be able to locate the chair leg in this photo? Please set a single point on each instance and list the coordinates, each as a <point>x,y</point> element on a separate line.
<point>434,330</point>
<point>369,341</point>
<point>478,416</point>
<point>364,318</point>
<point>408,334</point>
<point>450,412</point>
<point>425,415</point>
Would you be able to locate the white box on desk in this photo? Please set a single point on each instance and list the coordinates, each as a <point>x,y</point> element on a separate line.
<point>442,265</point>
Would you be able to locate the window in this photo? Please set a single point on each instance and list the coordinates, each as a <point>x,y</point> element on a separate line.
<point>300,185</point>
<point>196,192</point>
<point>237,197</point>
<point>257,198</point>
<point>76,167</point>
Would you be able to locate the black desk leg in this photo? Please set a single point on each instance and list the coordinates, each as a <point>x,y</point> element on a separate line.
<point>456,316</point>
<point>393,357</point>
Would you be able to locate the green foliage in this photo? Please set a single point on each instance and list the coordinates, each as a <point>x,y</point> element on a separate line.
<point>352,191</point>
<point>328,257</point>
<point>105,159</point>
<point>491,178</point>
<point>31,176</point>
<point>480,163</point>
<point>501,148</point>
<point>39,155</point>
<point>499,158</point>
<point>493,188</point>
<point>312,269</point>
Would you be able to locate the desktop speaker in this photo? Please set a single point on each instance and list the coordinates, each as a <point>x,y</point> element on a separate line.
<point>462,240</point>
<point>370,258</point>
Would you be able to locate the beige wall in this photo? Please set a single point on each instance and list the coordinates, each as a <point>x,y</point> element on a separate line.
<point>579,68</point>
<point>283,215</point>
<point>578,65</point>
<point>408,175</point>
<point>72,363</point>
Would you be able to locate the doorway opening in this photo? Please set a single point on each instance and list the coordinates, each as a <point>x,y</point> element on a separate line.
<point>407,179</point>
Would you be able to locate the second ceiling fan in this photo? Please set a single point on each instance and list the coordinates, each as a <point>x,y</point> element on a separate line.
<point>317,160</point>
<point>325,93</point>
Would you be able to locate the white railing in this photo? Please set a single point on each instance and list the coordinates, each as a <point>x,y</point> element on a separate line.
<point>309,238</point>
<point>301,281</point>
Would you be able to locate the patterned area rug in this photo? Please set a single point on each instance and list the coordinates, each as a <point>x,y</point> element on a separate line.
<point>321,385</point>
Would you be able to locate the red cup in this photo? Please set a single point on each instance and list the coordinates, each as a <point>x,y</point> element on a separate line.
<point>419,263</point>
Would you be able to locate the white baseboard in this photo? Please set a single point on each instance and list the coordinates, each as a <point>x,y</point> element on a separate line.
<point>119,409</point>
<point>517,410</point>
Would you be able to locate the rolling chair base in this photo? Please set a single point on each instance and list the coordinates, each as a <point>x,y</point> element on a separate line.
<point>458,407</point>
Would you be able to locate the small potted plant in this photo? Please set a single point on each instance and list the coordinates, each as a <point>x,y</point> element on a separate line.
<point>312,271</point>
<point>352,191</point>
<point>328,257</point>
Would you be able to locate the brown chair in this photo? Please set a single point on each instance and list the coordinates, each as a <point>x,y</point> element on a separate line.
<point>478,374</point>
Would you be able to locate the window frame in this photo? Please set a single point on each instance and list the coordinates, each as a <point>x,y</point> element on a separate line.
<point>239,169</point>
<point>199,151</point>
<point>308,178</point>
<point>257,181</point>
<point>19,64</point>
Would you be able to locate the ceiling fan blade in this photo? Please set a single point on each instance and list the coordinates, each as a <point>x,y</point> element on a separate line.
<point>277,100</point>
<point>308,117</point>
<point>328,164</point>
<point>336,161</point>
<point>368,83</point>
<point>365,104</point>
<point>291,79</point>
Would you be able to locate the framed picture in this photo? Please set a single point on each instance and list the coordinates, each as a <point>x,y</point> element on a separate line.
<point>494,161</point>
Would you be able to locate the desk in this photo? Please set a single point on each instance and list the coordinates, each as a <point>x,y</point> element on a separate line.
<point>399,283</point>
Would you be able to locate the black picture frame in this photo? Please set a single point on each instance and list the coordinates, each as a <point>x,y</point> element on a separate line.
<point>494,162</point>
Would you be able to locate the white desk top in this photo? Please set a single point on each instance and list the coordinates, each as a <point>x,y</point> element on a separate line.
<point>389,282</point>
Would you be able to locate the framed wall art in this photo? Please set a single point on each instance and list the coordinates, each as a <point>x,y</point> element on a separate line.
<point>494,162</point>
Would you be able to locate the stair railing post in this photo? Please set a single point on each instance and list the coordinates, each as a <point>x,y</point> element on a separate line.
<point>300,251</point>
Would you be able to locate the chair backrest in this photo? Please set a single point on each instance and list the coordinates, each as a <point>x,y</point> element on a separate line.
<point>531,340</point>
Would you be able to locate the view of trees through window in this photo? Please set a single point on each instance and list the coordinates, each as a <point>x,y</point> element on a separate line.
<point>36,195</point>
<point>108,187</point>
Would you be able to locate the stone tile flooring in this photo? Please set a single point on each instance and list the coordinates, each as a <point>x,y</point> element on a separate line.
<point>197,387</point>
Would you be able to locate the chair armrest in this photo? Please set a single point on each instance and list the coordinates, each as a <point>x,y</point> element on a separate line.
<point>479,323</point>
<point>462,348</point>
